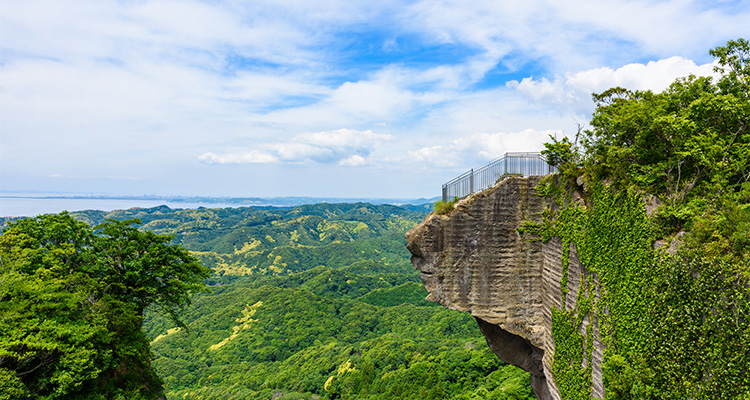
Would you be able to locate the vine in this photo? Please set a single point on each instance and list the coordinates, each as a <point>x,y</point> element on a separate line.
<point>564,275</point>
<point>674,321</point>
<point>612,237</point>
<point>651,309</point>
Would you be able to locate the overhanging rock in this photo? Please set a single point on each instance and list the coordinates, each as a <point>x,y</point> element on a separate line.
<point>475,260</point>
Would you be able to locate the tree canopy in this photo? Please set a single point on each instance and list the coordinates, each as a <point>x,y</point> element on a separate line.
<point>688,145</point>
<point>72,299</point>
<point>677,279</point>
<point>316,301</point>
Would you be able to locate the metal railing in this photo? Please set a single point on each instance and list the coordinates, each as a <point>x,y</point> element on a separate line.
<point>473,181</point>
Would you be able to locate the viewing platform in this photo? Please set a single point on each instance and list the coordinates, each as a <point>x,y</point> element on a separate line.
<point>519,164</point>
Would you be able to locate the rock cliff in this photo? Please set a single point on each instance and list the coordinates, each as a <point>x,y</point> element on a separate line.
<point>475,260</point>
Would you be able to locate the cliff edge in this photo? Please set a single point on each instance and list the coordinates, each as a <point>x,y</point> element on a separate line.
<point>475,260</point>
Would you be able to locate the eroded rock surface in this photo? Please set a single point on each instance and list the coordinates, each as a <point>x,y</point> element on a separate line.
<point>475,260</point>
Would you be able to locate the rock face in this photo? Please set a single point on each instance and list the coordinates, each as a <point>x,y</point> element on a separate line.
<point>475,260</point>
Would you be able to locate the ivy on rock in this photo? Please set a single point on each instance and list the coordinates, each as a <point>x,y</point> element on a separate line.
<point>674,324</point>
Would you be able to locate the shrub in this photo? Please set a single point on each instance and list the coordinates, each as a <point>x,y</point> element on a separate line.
<point>445,207</point>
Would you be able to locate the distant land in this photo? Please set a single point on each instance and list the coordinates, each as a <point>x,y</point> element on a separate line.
<point>24,204</point>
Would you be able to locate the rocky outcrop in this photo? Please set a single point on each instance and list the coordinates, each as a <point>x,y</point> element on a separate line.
<point>475,260</point>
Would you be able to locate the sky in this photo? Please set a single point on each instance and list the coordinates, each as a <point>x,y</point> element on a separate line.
<point>325,98</point>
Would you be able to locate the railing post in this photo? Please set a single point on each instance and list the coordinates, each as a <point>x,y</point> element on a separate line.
<point>445,193</point>
<point>471,182</point>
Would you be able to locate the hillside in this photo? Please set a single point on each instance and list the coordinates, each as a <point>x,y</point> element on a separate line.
<point>317,301</point>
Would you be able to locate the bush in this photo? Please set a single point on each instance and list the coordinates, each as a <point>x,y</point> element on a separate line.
<point>445,207</point>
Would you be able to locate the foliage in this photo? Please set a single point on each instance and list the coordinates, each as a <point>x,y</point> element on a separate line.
<point>406,293</point>
<point>143,269</point>
<point>562,154</point>
<point>280,241</point>
<point>734,64</point>
<point>445,207</point>
<point>704,304</point>
<point>612,237</point>
<point>688,146</point>
<point>299,342</point>
<point>348,311</point>
<point>72,300</point>
<point>309,302</point>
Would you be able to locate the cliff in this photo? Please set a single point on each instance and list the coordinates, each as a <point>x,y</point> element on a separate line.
<point>475,260</point>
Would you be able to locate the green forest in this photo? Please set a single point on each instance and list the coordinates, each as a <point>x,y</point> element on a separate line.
<point>310,302</point>
<point>674,277</point>
<point>321,302</point>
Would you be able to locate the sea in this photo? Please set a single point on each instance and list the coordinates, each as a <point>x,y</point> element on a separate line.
<point>33,204</point>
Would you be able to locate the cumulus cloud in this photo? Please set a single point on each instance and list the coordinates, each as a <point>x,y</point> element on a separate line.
<point>478,148</point>
<point>238,158</point>
<point>143,87</point>
<point>577,34</point>
<point>343,139</point>
<point>573,90</point>
<point>353,161</point>
<point>433,156</point>
<point>347,147</point>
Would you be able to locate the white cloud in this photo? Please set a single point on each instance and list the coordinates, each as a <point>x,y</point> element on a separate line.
<point>353,161</point>
<point>577,34</point>
<point>344,138</point>
<point>334,146</point>
<point>141,88</point>
<point>433,156</point>
<point>375,100</point>
<point>300,151</point>
<point>238,158</point>
<point>479,148</point>
<point>489,146</point>
<point>655,76</point>
<point>573,91</point>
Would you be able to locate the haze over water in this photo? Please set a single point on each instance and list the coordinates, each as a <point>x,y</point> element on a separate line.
<point>32,204</point>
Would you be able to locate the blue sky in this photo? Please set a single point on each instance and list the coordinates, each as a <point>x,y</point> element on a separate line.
<point>327,98</point>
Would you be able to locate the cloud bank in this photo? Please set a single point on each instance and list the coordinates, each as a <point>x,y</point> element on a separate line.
<point>343,146</point>
<point>190,94</point>
<point>573,90</point>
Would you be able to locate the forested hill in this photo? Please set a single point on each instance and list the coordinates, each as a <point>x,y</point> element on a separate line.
<point>279,241</point>
<point>317,301</point>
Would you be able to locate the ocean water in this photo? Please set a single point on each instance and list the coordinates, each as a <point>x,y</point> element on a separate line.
<point>29,205</point>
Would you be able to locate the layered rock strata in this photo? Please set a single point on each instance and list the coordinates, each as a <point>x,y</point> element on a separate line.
<point>475,260</point>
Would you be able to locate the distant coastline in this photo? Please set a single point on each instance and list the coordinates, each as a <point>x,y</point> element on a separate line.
<point>21,204</point>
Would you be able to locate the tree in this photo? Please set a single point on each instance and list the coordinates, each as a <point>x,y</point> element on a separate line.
<point>144,270</point>
<point>689,146</point>
<point>734,64</point>
<point>71,306</point>
<point>563,154</point>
